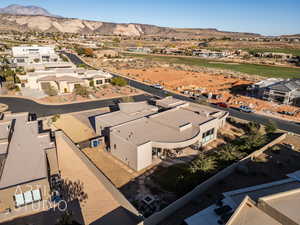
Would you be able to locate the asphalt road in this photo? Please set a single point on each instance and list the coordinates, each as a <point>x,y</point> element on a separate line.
<point>21,105</point>
<point>26,105</point>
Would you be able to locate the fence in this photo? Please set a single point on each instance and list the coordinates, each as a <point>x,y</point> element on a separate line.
<point>170,209</point>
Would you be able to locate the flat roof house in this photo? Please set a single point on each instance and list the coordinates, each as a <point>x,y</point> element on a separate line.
<point>64,79</point>
<point>28,159</point>
<point>34,54</point>
<point>138,133</point>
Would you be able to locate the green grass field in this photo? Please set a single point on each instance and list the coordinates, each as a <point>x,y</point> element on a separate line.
<point>295,52</point>
<point>254,69</point>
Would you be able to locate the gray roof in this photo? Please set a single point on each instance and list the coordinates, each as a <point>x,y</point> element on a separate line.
<point>169,102</point>
<point>140,122</point>
<point>26,159</point>
<point>286,86</point>
<point>128,112</point>
<point>171,126</point>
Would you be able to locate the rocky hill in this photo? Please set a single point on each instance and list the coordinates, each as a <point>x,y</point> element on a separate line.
<point>33,18</point>
<point>72,25</point>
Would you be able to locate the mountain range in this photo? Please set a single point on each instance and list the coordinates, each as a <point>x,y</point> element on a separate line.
<point>33,18</point>
<point>31,10</point>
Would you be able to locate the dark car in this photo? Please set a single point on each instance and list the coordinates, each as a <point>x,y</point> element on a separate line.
<point>223,105</point>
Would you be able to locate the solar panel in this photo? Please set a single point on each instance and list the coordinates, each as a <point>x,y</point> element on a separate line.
<point>28,197</point>
<point>36,195</point>
<point>19,200</point>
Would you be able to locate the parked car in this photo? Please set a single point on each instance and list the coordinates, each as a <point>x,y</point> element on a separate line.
<point>158,86</point>
<point>286,113</point>
<point>222,104</point>
<point>247,109</point>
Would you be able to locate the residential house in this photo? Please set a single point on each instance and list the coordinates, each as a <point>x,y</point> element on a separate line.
<point>28,160</point>
<point>210,54</point>
<point>34,54</point>
<point>274,203</point>
<point>64,79</point>
<point>282,91</point>
<point>139,133</point>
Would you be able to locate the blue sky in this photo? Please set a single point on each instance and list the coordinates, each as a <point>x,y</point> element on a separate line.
<point>269,17</point>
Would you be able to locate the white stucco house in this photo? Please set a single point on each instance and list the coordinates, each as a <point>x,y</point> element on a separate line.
<point>64,79</point>
<point>138,133</point>
<point>34,54</point>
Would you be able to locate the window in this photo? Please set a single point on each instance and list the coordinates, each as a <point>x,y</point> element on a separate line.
<point>115,146</point>
<point>77,85</point>
<point>208,135</point>
<point>107,80</point>
<point>99,82</point>
<point>20,60</point>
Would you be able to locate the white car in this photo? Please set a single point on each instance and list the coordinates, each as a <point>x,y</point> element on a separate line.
<point>247,109</point>
<point>158,86</point>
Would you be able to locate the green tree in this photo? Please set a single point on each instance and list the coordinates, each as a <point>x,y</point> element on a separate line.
<point>271,127</point>
<point>230,153</point>
<point>253,127</point>
<point>119,81</point>
<point>203,164</point>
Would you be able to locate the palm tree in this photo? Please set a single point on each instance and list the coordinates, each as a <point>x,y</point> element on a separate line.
<point>204,164</point>
<point>253,127</point>
<point>230,153</point>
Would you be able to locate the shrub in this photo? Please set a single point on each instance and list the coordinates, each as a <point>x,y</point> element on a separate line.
<point>79,51</point>
<point>64,58</point>
<point>55,118</point>
<point>276,149</point>
<point>116,40</point>
<point>10,85</point>
<point>81,91</point>
<point>51,91</point>
<point>127,99</point>
<point>119,81</point>
<point>17,88</point>
<point>91,83</point>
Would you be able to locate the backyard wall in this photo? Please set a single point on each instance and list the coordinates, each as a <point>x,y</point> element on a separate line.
<point>192,195</point>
